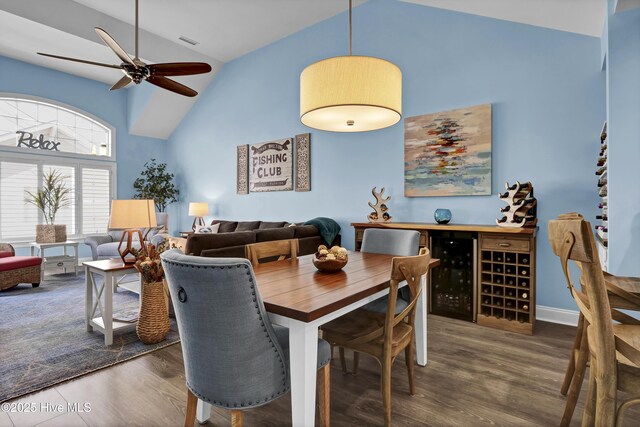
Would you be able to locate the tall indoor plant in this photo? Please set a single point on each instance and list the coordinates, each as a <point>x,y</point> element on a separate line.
<point>157,184</point>
<point>49,199</point>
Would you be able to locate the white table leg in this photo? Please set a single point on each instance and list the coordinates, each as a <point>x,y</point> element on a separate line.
<point>421,325</point>
<point>303,348</point>
<point>203,411</point>
<point>89,298</point>
<point>107,316</point>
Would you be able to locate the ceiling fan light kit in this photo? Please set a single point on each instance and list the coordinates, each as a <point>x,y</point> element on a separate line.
<point>351,93</point>
<point>137,71</point>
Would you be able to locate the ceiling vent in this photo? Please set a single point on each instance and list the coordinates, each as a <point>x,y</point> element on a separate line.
<point>188,40</point>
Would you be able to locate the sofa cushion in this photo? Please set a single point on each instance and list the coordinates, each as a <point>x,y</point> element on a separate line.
<point>196,243</point>
<point>225,226</point>
<point>305,231</point>
<point>16,262</point>
<point>247,225</point>
<point>276,224</point>
<point>5,254</point>
<point>110,250</point>
<point>269,234</point>
<point>207,229</point>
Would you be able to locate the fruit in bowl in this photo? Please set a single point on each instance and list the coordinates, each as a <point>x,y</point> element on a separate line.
<point>330,260</point>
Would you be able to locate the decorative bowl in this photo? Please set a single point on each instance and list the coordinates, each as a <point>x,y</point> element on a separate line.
<point>329,265</point>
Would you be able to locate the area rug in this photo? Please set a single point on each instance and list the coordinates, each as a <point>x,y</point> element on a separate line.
<point>44,341</point>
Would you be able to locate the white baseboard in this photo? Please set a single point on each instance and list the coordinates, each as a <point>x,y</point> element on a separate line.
<point>557,315</point>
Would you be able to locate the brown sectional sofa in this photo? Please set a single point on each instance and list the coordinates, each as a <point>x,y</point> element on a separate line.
<point>233,236</point>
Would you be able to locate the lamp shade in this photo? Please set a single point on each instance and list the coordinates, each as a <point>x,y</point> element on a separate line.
<point>198,209</point>
<point>132,214</point>
<point>351,94</point>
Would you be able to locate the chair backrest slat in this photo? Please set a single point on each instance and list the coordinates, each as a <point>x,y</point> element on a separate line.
<point>272,250</point>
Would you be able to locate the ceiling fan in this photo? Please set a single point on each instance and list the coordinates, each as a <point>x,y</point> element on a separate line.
<point>136,71</point>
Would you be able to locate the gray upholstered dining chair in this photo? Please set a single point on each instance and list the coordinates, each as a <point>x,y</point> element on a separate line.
<point>234,357</point>
<point>389,242</point>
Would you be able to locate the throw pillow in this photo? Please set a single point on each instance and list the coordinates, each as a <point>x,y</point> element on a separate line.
<point>207,229</point>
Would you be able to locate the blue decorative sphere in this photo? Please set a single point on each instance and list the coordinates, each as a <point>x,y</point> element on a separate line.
<point>442,216</point>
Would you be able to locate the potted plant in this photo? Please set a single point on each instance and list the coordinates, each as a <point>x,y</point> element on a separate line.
<point>49,199</point>
<point>157,184</point>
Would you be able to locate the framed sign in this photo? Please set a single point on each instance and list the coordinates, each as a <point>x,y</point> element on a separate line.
<point>271,166</point>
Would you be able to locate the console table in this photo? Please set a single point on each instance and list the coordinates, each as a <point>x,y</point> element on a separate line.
<point>503,278</point>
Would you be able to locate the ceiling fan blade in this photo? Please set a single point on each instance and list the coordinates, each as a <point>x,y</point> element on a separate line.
<point>179,68</point>
<point>171,85</point>
<point>121,83</point>
<point>100,64</point>
<point>109,41</point>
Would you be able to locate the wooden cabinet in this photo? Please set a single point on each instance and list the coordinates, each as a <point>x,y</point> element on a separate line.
<point>506,282</point>
<point>505,270</point>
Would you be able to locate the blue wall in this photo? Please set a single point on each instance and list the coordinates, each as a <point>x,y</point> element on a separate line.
<point>95,98</point>
<point>546,87</point>
<point>623,119</point>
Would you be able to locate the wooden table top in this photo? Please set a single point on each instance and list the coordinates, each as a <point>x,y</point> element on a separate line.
<point>114,264</point>
<point>296,289</point>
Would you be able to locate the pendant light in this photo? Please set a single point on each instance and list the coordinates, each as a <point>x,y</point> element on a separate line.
<point>351,93</point>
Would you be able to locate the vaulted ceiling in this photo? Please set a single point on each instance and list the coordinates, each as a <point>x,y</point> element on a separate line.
<point>223,29</point>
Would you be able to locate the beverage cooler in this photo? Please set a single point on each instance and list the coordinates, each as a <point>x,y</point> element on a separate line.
<point>452,285</point>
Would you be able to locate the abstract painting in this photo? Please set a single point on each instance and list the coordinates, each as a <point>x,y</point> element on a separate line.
<point>448,153</point>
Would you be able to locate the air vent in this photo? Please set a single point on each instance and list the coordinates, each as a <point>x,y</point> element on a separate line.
<point>188,40</point>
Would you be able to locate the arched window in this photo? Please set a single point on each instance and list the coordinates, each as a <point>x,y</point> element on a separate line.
<point>38,136</point>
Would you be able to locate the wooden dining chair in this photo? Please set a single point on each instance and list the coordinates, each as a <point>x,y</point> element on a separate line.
<point>623,294</point>
<point>234,357</point>
<point>389,242</point>
<point>613,349</point>
<point>275,250</point>
<point>385,335</point>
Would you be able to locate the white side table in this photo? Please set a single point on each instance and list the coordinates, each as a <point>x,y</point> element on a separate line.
<point>100,295</point>
<point>66,261</point>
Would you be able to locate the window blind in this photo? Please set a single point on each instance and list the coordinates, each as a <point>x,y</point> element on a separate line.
<point>17,218</point>
<point>96,199</point>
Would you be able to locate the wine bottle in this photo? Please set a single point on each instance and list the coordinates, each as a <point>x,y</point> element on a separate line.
<point>510,282</point>
<point>524,295</point>
<point>602,227</point>
<point>524,272</point>
<point>524,260</point>
<point>524,284</point>
<point>525,307</point>
<point>602,217</point>
<point>510,292</point>
<point>602,204</point>
<point>601,193</point>
<point>509,304</point>
<point>498,292</point>
<point>602,182</point>
<point>601,170</point>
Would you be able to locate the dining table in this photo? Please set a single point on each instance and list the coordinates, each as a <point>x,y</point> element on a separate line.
<point>298,296</point>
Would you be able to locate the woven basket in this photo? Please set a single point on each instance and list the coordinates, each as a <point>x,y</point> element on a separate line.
<point>48,233</point>
<point>153,323</point>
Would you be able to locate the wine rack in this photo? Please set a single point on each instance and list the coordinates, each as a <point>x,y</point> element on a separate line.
<point>506,284</point>
<point>602,229</point>
<point>521,206</point>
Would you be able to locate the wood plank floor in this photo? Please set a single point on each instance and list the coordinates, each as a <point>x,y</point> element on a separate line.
<point>476,376</point>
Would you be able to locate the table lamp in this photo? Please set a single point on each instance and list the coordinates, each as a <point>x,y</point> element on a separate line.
<point>132,215</point>
<point>198,210</point>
